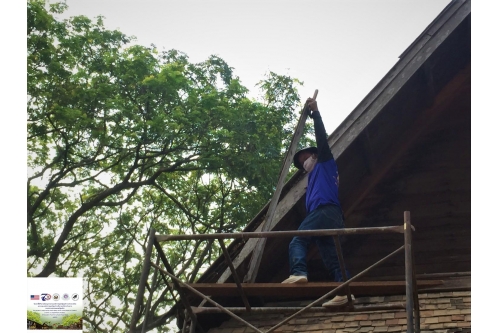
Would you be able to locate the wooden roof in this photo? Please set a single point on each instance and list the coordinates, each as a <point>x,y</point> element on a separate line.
<point>406,146</point>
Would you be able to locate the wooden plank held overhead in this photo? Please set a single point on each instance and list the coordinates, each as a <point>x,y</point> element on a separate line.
<point>259,248</point>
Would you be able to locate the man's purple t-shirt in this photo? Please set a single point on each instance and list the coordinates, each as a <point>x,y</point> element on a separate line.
<point>323,180</point>
<point>323,185</point>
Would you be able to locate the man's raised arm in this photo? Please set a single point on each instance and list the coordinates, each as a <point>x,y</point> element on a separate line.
<point>324,152</point>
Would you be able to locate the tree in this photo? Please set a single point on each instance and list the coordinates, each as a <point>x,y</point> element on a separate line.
<point>34,316</point>
<point>70,319</point>
<point>122,138</point>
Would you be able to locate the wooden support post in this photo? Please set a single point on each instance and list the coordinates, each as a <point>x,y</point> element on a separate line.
<point>143,280</point>
<point>408,274</point>
<point>259,248</point>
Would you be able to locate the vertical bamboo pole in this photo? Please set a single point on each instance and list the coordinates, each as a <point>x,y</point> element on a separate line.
<point>342,267</point>
<point>171,272</point>
<point>144,278</point>
<point>192,327</point>
<point>184,325</point>
<point>235,274</point>
<point>408,273</point>
<point>150,297</point>
<point>415,290</point>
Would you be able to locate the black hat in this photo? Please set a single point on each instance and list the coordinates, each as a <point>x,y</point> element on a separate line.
<point>296,162</point>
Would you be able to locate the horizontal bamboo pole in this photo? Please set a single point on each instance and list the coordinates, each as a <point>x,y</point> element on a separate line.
<point>282,309</point>
<point>283,234</point>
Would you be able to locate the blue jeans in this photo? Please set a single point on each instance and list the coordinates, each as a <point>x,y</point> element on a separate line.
<point>323,217</point>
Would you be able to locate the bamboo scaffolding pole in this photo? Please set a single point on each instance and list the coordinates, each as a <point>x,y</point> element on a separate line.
<point>340,256</point>
<point>283,309</point>
<point>235,275</point>
<point>150,297</point>
<point>283,234</point>
<point>415,292</point>
<point>408,273</point>
<point>333,292</point>
<point>184,300</point>
<point>192,311</point>
<point>196,292</point>
<point>143,280</point>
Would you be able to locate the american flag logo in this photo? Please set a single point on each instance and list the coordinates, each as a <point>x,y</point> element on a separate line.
<point>35,297</point>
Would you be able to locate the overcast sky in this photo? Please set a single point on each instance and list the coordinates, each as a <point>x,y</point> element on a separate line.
<point>341,48</point>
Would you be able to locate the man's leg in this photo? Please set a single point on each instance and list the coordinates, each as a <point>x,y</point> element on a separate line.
<point>326,246</point>
<point>297,254</point>
<point>297,250</point>
<point>330,218</point>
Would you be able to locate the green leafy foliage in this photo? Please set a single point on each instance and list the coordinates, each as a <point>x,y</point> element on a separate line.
<point>67,320</point>
<point>34,316</point>
<point>122,138</point>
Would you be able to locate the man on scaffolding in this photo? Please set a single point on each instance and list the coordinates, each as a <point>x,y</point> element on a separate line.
<point>322,205</point>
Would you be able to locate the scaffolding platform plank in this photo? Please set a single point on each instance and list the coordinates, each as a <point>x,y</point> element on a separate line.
<point>314,289</point>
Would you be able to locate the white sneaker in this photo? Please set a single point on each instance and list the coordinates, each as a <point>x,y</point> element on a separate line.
<point>337,301</point>
<point>296,279</point>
